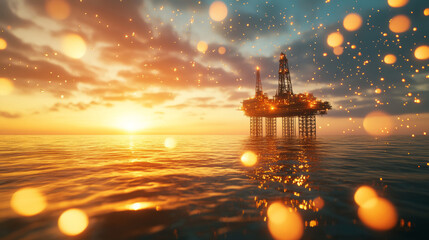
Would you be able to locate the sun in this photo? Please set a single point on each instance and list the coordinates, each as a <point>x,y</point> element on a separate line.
<point>131,123</point>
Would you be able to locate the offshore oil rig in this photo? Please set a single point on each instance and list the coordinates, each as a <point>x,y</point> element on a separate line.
<point>285,105</point>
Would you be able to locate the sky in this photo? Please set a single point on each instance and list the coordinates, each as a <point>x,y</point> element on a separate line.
<point>183,67</point>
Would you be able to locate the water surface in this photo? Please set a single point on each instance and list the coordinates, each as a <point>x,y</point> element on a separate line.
<point>133,187</point>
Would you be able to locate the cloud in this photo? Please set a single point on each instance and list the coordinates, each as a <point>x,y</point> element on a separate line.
<point>147,55</point>
<point>33,71</point>
<point>202,102</point>
<point>244,26</point>
<point>360,70</point>
<point>9,115</point>
<point>176,73</point>
<point>183,4</point>
<point>80,106</point>
<point>8,18</point>
<point>145,99</point>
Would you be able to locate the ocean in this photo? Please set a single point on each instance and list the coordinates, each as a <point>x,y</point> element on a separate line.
<point>134,187</point>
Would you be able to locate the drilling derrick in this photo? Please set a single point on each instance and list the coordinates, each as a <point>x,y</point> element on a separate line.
<point>286,105</point>
<point>285,85</point>
<point>285,94</point>
<point>257,102</point>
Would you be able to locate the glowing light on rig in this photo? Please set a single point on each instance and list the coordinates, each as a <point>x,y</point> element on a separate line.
<point>397,3</point>
<point>218,11</point>
<point>57,9</point>
<point>364,194</point>
<point>378,91</point>
<point>170,143</point>
<point>202,46</point>
<point>389,59</point>
<point>352,22</point>
<point>73,46</point>
<point>221,50</point>
<point>284,223</point>
<point>399,24</point>
<point>3,44</point>
<point>28,202</point>
<point>249,159</point>
<point>422,52</point>
<point>73,222</point>
<point>335,39</point>
<point>426,12</point>
<point>378,214</point>
<point>377,123</point>
<point>6,86</point>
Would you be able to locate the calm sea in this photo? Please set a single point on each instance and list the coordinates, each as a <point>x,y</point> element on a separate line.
<point>133,187</point>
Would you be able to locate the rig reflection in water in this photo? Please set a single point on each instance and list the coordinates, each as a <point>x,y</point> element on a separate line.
<point>285,165</point>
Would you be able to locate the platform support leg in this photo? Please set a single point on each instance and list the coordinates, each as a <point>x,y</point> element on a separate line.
<point>256,126</point>
<point>307,125</point>
<point>270,127</point>
<point>288,126</point>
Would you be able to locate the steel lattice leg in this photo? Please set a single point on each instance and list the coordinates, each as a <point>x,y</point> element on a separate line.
<point>270,127</point>
<point>307,125</point>
<point>256,126</point>
<point>288,126</point>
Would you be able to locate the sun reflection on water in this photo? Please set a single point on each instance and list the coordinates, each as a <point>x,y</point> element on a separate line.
<point>139,205</point>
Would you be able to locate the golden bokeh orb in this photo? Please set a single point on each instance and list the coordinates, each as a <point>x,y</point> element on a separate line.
<point>28,202</point>
<point>378,214</point>
<point>3,44</point>
<point>202,46</point>
<point>399,24</point>
<point>284,223</point>
<point>6,86</point>
<point>338,50</point>
<point>335,39</point>
<point>389,59</point>
<point>318,203</point>
<point>221,50</point>
<point>426,12</point>
<point>378,123</point>
<point>73,222</point>
<point>218,11</point>
<point>249,159</point>
<point>397,3</point>
<point>73,46</point>
<point>377,90</point>
<point>57,9</point>
<point>364,194</point>
<point>352,22</point>
<point>422,52</point>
